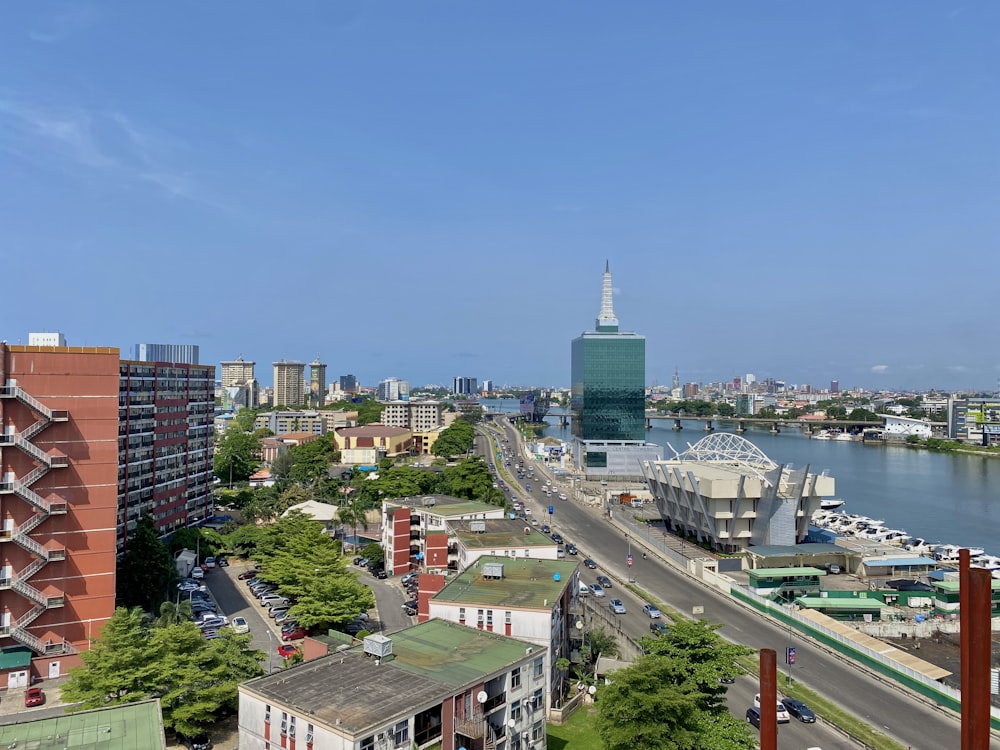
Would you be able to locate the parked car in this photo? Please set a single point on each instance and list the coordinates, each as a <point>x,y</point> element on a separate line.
<point>188,585</point>
<point>604,581</point>
<point>753,716</point>
<point>222,562</point>
<point>213,623</point>
<point>617,606</point>
<point>799,710</point>
<point>275,611</point>
<point>273,600</point>
<point>200,741</point>
<point>380,574</point>
<point>294,634</point>
<point>247,575</point>
<point>281,617</point>
<point>590,564</point>
<point>209,562</point>
<point>289,625</point>
<point>197,573</point>
<point>240,625</point>
<point>651,611</point>
<point>34,696</point>
<point>407,577</point>
<point>287,650</point>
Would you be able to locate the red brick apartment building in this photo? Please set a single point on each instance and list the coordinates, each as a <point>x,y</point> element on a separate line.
<point>58,500</point>
<point>88,443</point>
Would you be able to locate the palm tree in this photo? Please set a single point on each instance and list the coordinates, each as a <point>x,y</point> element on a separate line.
<point>172,613</point>
<point>352,513</point>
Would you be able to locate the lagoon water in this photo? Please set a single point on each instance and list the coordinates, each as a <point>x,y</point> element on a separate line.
<point>943,497</point>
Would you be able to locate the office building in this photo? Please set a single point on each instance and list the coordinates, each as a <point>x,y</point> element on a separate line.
<point>609,396</point>
<point>240,389</point>
<point>175,353</point>
<point>835,387</point>
<point>285,422</point>
<point>392,389</point>
<point>413,415</point>
<point>289,383</point>
<point>59,468</point>
<point>317,383</point>
<point>349,384</point>
<point>465,386</point>
<point>165,445</point>
<point>487,387</point>
<point>974,420</point>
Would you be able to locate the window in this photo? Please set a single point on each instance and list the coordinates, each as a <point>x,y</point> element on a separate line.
<point>291,727</point>
<point>401,733</point>
<point>536,668</point>
<point>506,617</point>
<point>515,678</point>
<point>527,553</point>
<point>515,710</point>
<point>489,618</point>
<point>480,616</point>
<point>267,714</point>
<point>536,699</point>
<point>368,743</point>
<point>461,614</point>
<point>310,733</point>
<point>537,731</point>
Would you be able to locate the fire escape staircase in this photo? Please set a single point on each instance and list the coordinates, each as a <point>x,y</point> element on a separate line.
<point>21,535</point>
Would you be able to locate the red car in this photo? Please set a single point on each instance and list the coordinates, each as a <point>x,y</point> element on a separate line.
<point>247,574</point>
<point>294,635</point>
<point>34,697</point>
<point>287,650</point>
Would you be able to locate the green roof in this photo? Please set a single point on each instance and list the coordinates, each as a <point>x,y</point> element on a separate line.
<point>526,583</point>
<point>15,657</point>
<point>454,654</point>
<point>784,572</point>
<point>953,586</point>
<point>460,509</point>
<point>822,602</point>
<point>136,726</point>
<point>501,533</point>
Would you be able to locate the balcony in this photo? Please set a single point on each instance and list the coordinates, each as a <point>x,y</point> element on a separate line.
<point>495,702</point>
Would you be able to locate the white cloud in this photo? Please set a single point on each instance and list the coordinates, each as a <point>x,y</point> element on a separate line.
<point>880,369</point>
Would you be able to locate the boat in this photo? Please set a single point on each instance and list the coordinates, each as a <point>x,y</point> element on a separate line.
<point>921,546</point>
<point>949,552</point>
<point>990,562</point>
<point>822,435</point>
<point>844,436</point>
<point>830,503</point>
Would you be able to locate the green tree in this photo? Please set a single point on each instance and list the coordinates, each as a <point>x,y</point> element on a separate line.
<point>237,455</point>
<point>471,479</point>
<point>863,415</point>
<point>369,411</point>
<point>836,412</point>
<point>454,440</point>
<point>599,642</point>
<point>146,571</point>
<point>281,466</point>
<point>172,613</point>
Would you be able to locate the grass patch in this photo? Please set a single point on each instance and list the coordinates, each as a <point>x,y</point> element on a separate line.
<point>578,733</point>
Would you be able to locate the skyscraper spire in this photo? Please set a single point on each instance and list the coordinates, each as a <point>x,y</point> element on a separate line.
<point>606,320</point>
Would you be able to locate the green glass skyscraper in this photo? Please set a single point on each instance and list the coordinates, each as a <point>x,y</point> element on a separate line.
<point>609,378</point>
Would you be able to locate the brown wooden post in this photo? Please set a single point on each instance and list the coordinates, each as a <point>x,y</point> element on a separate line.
<point>965,623</point>
<point>976,624</point>
<point>768,699</point>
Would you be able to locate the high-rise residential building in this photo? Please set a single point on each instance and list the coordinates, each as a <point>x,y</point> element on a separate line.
<point>166,432</point>
<point>349,383</point>
<point>240,388</point>
<point>393,389</point>
<point>465,386</point>
<point>487,386</point>
<point>834,386</point>
<point>175,353</point>
<point>609,395</point>
<point>58,479</point>
<point>413,415</point>
<point>289,383</point>
<point>317,383</point>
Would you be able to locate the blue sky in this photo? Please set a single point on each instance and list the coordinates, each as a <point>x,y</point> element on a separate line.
<point>805,191</point>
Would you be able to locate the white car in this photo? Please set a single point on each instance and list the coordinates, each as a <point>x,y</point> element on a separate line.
<point>783,717</point>
<point>240,625</point>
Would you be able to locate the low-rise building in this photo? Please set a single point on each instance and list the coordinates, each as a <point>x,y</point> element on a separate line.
<point>416,532</point>
<point>534,600</point>
<point>416,416</point>
<point>136,726</point>
<point>292,421</point>
<point>371,443</point>
<point>436,684</point>
<point>507,537</point>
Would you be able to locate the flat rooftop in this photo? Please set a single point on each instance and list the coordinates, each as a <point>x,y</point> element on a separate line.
<point>135,726</point>
<point>500,533</point>
<point>526,583</point>
<point>430,662</point>
<point>444,505</point>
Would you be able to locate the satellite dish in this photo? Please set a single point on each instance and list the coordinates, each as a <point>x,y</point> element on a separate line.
<point>511,723</point>
<point>482,696</point>
<point>592,689</point>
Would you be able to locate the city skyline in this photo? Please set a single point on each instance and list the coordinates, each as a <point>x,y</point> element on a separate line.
<point>777,190</point>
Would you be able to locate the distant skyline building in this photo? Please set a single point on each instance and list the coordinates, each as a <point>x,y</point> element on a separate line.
<point>608,401</point>
<point>392,389</point>
<point>289,383</point>
<point>487,386</point>
<point>465,386</point>
<point>240,388</point>
<point>317,383</point>
<point>186,354</point>
<point>349,383</point>
<point>834,386</point>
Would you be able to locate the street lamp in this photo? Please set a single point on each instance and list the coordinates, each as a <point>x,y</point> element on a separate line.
<point>270,651</point>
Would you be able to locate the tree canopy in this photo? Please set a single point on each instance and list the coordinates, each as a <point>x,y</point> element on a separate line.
<point>454,440</point>
<point>672,696</point>
<point>146,571</point>
<point>237,455</point>
<point>135,659</point>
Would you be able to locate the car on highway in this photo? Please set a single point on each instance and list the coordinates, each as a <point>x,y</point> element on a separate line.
<point>604,581</point>
<point>557,538</point>
<point>562,496</point>
<point>546,529</point>
<point>590,564</point>
<point>34,696</point>
<point>240,625</point>
<point>571,549</point>
<point>799,710</point>
<point>783,717</point>
<point>652,612</point>
<point>596,589</point>
<point>657,628</point>
<point>753,716</point>
<point>617,606</point>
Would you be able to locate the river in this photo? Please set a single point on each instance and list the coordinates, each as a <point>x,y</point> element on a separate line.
<point>943,497</point>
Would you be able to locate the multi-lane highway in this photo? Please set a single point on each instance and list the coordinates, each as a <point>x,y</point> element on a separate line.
<point>897,713</point>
